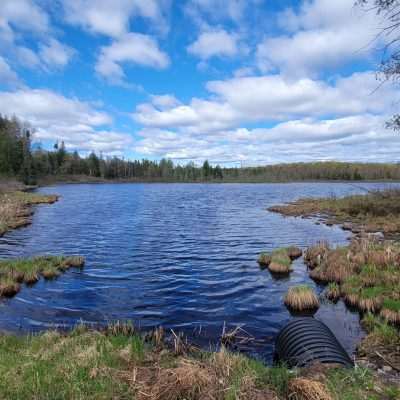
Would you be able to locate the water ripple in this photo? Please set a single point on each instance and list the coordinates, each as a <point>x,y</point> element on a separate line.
<point>182,256</point>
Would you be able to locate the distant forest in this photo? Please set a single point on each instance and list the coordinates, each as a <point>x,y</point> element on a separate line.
<point>18,159</point>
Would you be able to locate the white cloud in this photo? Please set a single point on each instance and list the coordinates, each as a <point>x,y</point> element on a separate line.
<point>323,35</point>
<point>7,76</point>
<point>56,117</point>
<point>19,20</point>
<point>55,54</point>
<point>24,14</point>
<point>214,43</point>
<point>297,140</point>
<point>112,18</point>
<point>314,120</point>
<point>133,48</point>
<point>269,98</point>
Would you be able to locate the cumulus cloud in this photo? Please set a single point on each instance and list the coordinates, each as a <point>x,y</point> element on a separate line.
<point>269,98</point>
<point>299,140</point>
<point>323,35</point>
<point>133,48</point>
<point>56,117</point>
<point>214,43</point>
<point>310,119</point>
<point>112,18</point>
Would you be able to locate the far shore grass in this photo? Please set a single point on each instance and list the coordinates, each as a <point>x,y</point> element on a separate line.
<point>376,211</point>
<point>122,363</point>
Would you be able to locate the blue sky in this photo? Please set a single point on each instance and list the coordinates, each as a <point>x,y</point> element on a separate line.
<point>258,81</point>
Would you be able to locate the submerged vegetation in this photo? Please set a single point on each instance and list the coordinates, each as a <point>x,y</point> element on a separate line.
<point>121,363</point>
<point>15,272</point>
<point>377,211</point>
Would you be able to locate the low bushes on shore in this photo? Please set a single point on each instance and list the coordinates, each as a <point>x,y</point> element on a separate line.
<point>29,271</point>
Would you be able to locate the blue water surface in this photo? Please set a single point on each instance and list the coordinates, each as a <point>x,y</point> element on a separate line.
<point>178,255</point>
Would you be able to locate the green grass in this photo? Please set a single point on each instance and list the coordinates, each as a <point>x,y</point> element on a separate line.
<point>351,384</point>
<point>392,305</point>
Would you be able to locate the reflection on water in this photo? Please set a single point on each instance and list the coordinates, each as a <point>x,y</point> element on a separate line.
<point>178,255</point>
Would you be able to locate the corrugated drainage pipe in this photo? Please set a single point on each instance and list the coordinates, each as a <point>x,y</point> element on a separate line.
<point>304,341</point>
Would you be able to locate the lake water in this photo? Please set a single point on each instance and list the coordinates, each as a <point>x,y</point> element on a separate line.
<point>178,255</point>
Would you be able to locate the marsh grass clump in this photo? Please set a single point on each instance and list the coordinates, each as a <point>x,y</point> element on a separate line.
<point>75,261</point>
<point>301,298</point>
<point>391,311</point>
<point>370,299</point>
<point>8,287</point>
<point>29,271</point>
<point>294,252</point>
<point>333,292</point>
<point>314,255</point>
<point>264,259</point>
<point>280,262</point>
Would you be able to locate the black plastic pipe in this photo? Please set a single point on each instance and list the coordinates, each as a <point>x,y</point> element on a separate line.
<point>304,341</point>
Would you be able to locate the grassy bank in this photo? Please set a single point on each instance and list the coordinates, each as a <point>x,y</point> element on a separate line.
<point>16,208</point>
<point>120,363</point>
<point>377,211</point>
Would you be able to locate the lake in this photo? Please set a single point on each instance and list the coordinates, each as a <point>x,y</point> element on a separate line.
<point>178,255</point>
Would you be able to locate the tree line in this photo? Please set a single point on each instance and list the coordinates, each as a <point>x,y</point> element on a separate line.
<point>19,159</point>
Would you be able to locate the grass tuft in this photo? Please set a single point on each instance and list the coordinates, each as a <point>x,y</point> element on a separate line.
<point>301,298</point>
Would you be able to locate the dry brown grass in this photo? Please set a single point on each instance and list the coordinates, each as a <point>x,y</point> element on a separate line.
<point>278,268</point>
<point>301,298</point>
<point>8,287</point>
<point>391,316</point>
<point>307,389</point>
<point>314,255</point>
<point>377,211</point>
<point>294,252</point>
<point>16,211</point>
<point>221,376</point>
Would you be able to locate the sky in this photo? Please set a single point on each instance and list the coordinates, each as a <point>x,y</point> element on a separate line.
<point>233,81</point>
